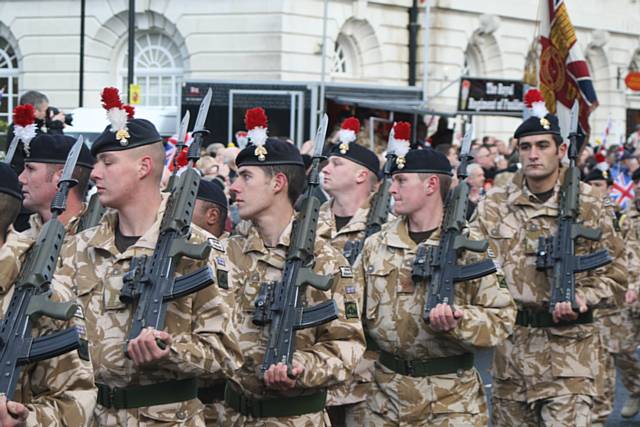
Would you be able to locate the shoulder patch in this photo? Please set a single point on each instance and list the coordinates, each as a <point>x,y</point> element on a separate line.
<point>220,261</point>
<point>351,309</point>
<point>216,244</point>
<point>346,272</point>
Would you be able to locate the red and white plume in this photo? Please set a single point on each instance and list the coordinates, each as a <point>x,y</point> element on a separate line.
<point>601,159</point>
<point>349,130</point>
<point>242,138</point>
<point>117,113</point>
<point>24,124</point>
<point>399,139</point>
<point>534,100</point>
<point>255,120</point>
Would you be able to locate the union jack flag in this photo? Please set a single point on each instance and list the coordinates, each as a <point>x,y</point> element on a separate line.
<point>622,192</point>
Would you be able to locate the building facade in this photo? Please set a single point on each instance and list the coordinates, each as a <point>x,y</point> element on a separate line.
<point>367,42</point>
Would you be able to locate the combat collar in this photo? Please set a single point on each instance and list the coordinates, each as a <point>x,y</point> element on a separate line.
<point>396,235</point>
<point>254,243</point>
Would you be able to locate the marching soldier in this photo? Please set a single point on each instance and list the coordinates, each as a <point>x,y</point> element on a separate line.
<point>151,383</point>
<point>210,211</point>
<point>350,177</point>
<point>544,373</point>
<point>424,375</point>
<point>58,391</point>
<point>626,360</point>
<point>270,179</point>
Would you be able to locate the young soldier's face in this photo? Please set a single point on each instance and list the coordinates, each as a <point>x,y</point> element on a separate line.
<point>409,193</point>
<point>600,185</point>
<point>39,185</point>
<point>540,156</point>
<point>253,190</point>
<point>115,176</point>
<point>339,174</point>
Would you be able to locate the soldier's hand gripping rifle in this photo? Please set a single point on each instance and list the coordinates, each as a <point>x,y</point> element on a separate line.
<point>557,253</point>
<point>439,264</point>
<point>282,304</point>
<point>379,210</point>
<point>150,281</point>
<point>32,292</point>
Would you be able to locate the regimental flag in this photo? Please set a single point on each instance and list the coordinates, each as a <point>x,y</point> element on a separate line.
<point>622,192</point>
<point>564,74</point>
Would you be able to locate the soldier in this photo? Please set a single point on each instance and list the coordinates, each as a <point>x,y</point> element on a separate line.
<point>10,199</point>
<point>60,390</point>
<point>350,176</point>
<point>425,375</point>
<point>626,360</point>
<point>270,179</point>
<point>544,373</point>
<point>210,212</point>
<point>44,160</point>
<point>151,384</point>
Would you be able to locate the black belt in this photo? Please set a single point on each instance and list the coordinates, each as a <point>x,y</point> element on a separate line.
<point>426,367</point>
<point>280,407</point>
<point>139,396</point>
<point>544,319</point>
<point>214,393</point>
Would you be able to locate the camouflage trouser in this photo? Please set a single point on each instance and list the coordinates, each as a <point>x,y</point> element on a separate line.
<point>227,417</point>
<point>606,387</point>
<point>348,415</point>
<point>438,400</point>
<point>629,367</point>
<point>572,410</point>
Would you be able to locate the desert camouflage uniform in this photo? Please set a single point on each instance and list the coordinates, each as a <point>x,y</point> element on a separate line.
<point>626,359</point>
<point>351,396</point>
<point>57,391</point>
<point>393,319</point>
<point>546,374</point>
<point>204,341</point>
<point>328,353</point>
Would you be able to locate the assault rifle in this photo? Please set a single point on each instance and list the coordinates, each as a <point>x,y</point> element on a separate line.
<point>180,144</point>
<point>557,253</point>
<point>151,280</point>
<point>439,264</point>
<point>93,214</point>
<point>378,212</point>
<point>12,150</point>
<point>32,292</point>
<point>281,304</point>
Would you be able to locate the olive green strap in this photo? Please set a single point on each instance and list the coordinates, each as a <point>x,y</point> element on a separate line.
<point>426,367</point>
<point>282,407</point>
<point>140,396</point>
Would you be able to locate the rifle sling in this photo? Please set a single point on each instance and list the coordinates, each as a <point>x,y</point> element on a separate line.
<point>426,367</point>
<point>544,319</point>
<point>278,407</point>
<point>139,396</point>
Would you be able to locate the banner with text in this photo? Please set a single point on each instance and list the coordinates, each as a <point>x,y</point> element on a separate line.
<point>490,97</point>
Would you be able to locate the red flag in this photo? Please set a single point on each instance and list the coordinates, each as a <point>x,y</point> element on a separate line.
<point>564,74</point>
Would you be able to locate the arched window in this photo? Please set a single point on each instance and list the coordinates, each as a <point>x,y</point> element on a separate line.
<point>345,57</point>
<point>9,73</point>
<point>157,69</point>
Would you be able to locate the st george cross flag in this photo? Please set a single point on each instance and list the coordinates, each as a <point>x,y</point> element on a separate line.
<point>564,74</point>
<point>622,190</point>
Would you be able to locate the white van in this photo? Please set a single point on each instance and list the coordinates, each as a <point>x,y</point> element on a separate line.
<point>90,122</point>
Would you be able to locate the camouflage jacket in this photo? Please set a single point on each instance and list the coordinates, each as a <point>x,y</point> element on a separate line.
<point>513,219</point>
<point>57,391</point>
<point>204,340</point>
<point>354,230</point>
<point>394,303</point>
<point>630,226</point>
<point>328,352</point>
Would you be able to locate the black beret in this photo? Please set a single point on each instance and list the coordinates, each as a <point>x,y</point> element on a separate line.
<point>358,154</point>
<point>276,152</point>
<point>140,132</point>
<point>9,181</point>
<point>597,174</point>
<point>627,154</point>
<point>536,126</point>
<point>54,149</point>
<point>210,191</point>
<point>636,175</point>
<point>422,161</point>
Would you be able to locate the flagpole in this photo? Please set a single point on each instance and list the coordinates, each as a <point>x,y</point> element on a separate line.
<point>323,70</point>
<point>425,59</point>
